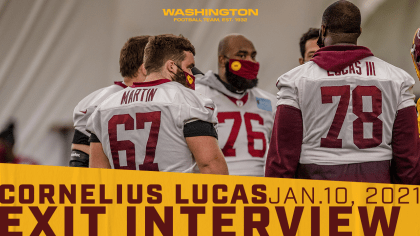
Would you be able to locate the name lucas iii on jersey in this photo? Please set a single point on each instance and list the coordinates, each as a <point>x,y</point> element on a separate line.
<point>140,94</point>
<point>356,69</point>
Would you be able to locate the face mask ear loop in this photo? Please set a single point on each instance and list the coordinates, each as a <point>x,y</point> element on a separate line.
<point>178,67</point>
<point>320,41</point>
<point>325,35</point>
<point>226,58</point>
<point>173,72</point>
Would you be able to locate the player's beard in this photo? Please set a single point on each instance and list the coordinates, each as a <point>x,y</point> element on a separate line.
<point>239,83</point>
<point>179,77</point>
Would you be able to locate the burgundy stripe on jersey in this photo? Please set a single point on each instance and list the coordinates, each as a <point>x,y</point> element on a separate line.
<point>372,172</point>
<point>243,100</point>
<point>120,83</point>
<point>150,83</point>
<point>286,143</point>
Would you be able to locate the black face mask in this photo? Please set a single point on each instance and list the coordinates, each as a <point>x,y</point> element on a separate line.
<point>320,42</point>
<point>239,83</point>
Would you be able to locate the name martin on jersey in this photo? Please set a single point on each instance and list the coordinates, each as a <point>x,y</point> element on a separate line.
<point>147,95</point>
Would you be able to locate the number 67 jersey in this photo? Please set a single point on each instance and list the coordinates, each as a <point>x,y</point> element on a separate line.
<point>141,127</point>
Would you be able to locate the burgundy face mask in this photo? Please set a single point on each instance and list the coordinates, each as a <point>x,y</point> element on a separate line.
<point>244,68</point>
<point>190,80</point>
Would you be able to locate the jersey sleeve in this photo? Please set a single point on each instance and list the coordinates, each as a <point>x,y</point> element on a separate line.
<point>405,165</point>
<point>196,107</point>
<point>407,96</point>
<point>87,105</point>
<point>81,115</point>
<point>94,123</point>
<point>199,128</point>
<point>288,91</point>
<point>286,143</point>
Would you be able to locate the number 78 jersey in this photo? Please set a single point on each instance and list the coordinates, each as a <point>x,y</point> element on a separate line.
<point>348,116</point>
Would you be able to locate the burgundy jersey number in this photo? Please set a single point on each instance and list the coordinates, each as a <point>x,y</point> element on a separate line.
<point>128,146</point>
<point>252,135</point>
<point>332,140</point>
<point>228,150</point>
<point>364,117</point>
<point>125,145</point>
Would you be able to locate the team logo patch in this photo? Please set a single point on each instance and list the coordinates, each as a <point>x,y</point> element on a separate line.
<point>239,103</point>
<point>264,104</point>
<point>236,65</point>
<point>190,80</point>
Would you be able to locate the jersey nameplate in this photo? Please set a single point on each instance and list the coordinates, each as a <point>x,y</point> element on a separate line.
<point>134,95</point>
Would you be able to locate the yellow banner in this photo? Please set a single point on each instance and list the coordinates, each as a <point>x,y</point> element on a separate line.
<point>45,200</point>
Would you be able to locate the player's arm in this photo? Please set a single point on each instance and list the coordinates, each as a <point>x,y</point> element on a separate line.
<point>97,159</point>
<point>286,137</point>
<point>79,156</point>
<point>405,166</point>
<point>285,144</point>
<point>201,140</point>
<point>80,150</point>
<point>418,114</point>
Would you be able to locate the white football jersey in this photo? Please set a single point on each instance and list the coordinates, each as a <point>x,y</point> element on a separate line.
<point>141,127</point>
<point>245,124</point>
<point>87,105</point>
<point>348,116</point>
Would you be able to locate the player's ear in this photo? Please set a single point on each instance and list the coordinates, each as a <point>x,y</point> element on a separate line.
<point>170,66</point>
<point>323,30</point>
<point>301,61</point>
<point>221,60</point>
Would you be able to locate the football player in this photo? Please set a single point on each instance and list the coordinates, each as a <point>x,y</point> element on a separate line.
<point>7,143</point>
<point>245,113</point>
<point>161,124</point>
<point>308,45</point>
<point>345,115</point>
<point>132,70</point>
<point>415,55</point>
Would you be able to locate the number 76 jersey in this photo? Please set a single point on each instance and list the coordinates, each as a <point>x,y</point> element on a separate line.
<point>348,116</point>
<point>245,125</point>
